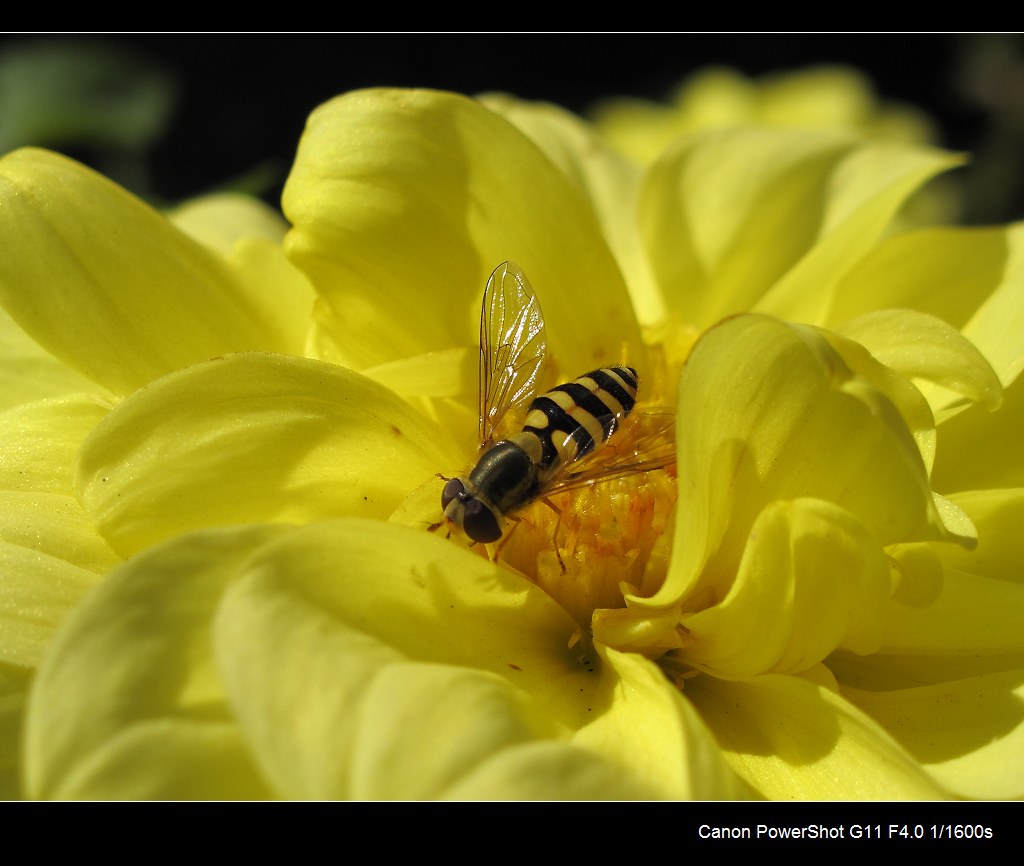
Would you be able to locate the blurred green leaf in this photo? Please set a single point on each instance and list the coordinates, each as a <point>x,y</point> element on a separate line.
<point>84,92</point>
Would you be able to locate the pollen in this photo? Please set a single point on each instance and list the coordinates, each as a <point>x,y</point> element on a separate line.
<point>589,546</point>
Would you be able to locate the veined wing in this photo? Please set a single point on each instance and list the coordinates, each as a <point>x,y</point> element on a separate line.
<point>512,346</point>
<point>645,441</point>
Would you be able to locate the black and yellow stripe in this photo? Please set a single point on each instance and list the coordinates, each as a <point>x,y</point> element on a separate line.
<point>561,426</point>
<point>575,418</point>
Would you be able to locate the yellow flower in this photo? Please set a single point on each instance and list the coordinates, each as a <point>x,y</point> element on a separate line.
<point>286,626</point>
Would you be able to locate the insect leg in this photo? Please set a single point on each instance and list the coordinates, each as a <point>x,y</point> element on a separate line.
<point>494,554</point>
<point>554,534</point>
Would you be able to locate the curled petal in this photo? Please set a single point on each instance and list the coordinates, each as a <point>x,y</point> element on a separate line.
<point>812,579</point>
<point>772,413</point>
<point>889,383</point>
<point>921,346</point>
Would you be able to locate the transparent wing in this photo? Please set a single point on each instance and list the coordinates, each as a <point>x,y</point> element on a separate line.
<point>512,346</point>
<point>644,441</point>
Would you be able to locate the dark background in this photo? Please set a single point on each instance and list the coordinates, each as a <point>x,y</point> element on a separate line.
<point>241,100</point>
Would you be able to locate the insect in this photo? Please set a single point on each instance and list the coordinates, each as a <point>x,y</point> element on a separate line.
<point>571,435</point>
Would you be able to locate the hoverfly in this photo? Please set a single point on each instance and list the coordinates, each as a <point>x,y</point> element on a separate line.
<point>572,435</point>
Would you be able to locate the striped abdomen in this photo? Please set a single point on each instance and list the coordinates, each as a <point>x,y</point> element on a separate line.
<point>561,427</point>
<point>575,418</point>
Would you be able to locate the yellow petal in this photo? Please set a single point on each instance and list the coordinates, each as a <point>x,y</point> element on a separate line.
<point>41,441</point>
<point>108,285</point>
<point>866,191</point>
<point>794,740</point>
<point>998,516</point>
<point>543,770</point>
<point>28,372</point>
<point>891,384</point>
<point>653,729</point>
<point>449,373</point>
<point>979,449</point>
<point>706,212</point>
<point>610,183</point>
<point>972,279</point>
<point>774,413</point>
<point>712,207</point>
<point>14,685</point>
<point>968,733</point>
<point>970,616</point>
<point>220,221</point>
<point>51,551</point>
<point>838,97</point>
<point>443,385</point>
<point>463,190</point>
<point>127,702</point>
<point>51,557</point>
<point>248,233</point>
<point>253,437</point>
<point>461,717</point>
<point>471,743</point>
<point>968,619</point>
<point>39,591</point>
<point>277,285</point>
<point>179,759</point>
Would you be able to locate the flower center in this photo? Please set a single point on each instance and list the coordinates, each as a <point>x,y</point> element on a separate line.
<point>589,546</point>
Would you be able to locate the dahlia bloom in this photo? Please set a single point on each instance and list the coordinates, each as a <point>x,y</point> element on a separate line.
<point>224,448</point>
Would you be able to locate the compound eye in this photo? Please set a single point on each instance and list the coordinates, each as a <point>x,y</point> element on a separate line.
<point>454,489</point>
<point>480,523</point>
